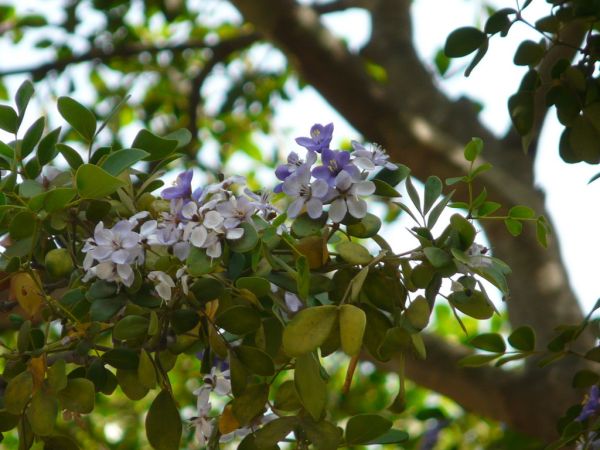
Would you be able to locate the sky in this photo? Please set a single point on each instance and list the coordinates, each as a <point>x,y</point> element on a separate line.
<point>570,200</point>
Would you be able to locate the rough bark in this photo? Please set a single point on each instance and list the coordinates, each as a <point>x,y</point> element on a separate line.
<point>424,129</point>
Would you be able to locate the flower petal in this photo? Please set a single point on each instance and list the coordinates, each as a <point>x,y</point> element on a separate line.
<point>337,210</point>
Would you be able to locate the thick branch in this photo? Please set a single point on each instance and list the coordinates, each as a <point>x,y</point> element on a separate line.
<point>339,5</point>
<point>512,397</point>
<point>100,55</point>
<point>425,130</point>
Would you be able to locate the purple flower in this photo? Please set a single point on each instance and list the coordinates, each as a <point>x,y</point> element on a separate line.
<point>283,171</point>
<point>306,193</point>
<point>320,137</point>
<point>182,188</point>
<point>334,161</point>
<point>591,407</point>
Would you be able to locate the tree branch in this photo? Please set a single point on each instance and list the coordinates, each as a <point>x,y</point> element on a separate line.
<point>339,5</point>
<point>96,54</point>
<point>425,130</point>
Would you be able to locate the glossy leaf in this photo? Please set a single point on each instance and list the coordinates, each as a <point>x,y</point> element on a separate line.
<point>121,160</point>
<point>523,338</point>
<point>78,116</point>
<point>490,342</point>
<point>310,386</point>
<point>363,428</point>
<point>308,329</point>
<point>94,182</point>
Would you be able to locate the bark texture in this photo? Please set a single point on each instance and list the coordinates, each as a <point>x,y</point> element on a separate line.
<point>422,128</point>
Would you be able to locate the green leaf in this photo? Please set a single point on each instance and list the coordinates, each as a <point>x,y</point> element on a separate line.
<point>513,226</point>
<point>303,277</point>
<point>42,413</point>
<point>585,378</point>
<point>199,263</point>
<point>72,156</point>
<point>472,303</point>
<point>418,313</point>
<point>78,116</point>
<point>129,382</point>
<point>523,338</point>
<point>385,190</point>
<point>18,392</point>
<point>286,397</point>
<point>94,182</point>
<point>393,436</point>
<point>57,375</point>
<point>239,320</point>
<point>304,225</point>
<point>273,432</point>
<point>182,136</point>
<point>499,21</point>
<point>488,208</point>
<point>481,51</point>
<point>584,140</point>
<point>521,212</point>
<point>433,189</point>
<point>131,327</point>
<point>22,225</point>
<point>309,329</point>
<point>412,193</point>
<point>163,423</point>
<point>121,160</point>
<point>490,342</point>
<point>354,253</point>
<point>259,286</point>
<point>310,386</point>
<point>22,97</point>
<point>529,53</point>
<point>463,41</point>
<point>477,360</point>
<point>323,434</point>
<point>104,309</point>
<point>157,147</point>
<point>438,209</point>
<point>247,242</point>
<point>521,107</point>
<point>183,320</point>
<point>465,229</point>
<point>367,227</point>
<point>8,119</point>
<point>256,360</point>
<point>437,257</point>
<point>473,149</point>
<point>79,395</point>
<point>353,321</point>
<point>251,403</point>
<point>47,150</point>
<point>58,198</point>
<point>32,136</point>
<point>363,428</point>
<point>122,358</point>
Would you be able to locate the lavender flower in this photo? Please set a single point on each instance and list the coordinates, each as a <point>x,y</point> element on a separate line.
<point>115,249</point>
<point>347,200</point>
<point>334,161</point>
<point>262,203</point>
<point>235,211</point>
<point>283,171</point>
<point>163,284</point>
<point>371,158</point>
<point>182,188</point>
<point>306,193</point>
<point>591,407</point>
<point>320,137</point>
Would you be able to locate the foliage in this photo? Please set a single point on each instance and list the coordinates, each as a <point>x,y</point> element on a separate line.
<point>562,72</point>
<point>116,285</point>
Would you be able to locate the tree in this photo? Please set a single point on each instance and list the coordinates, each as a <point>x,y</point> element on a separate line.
<point>404,111</point>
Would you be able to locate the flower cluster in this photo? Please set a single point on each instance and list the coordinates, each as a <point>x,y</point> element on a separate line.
<point>202,218</point>
<point>340,180</point>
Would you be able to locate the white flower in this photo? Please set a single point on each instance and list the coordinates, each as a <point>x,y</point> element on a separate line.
<point>163,284</point>
<point>115,250</point>
<point>477,255</point>
<point>298,186</point>
<point>183,277</point>
<point>292,302</point>
<point>347,200</point>
<point>369,159</point>
<point>235,211</point>
<point>262,202</point>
